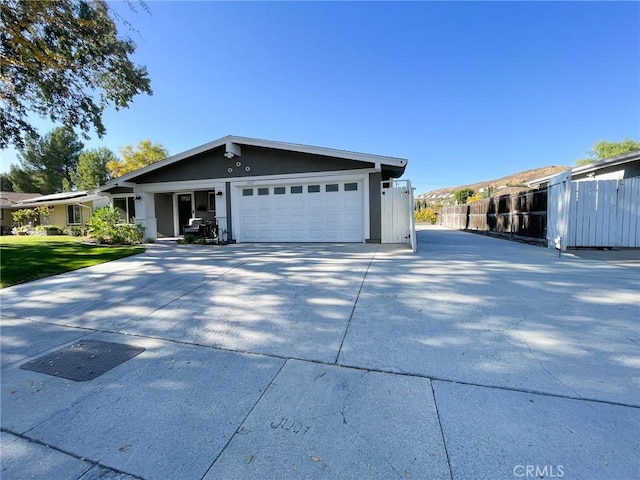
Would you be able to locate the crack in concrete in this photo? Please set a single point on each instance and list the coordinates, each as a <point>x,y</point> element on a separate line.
<point>533,354</point>
<point>370,444</point>
<point>355,303</point>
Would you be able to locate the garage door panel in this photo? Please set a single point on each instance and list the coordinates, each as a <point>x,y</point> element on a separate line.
<point>315,219</point>
<point>331,202</point>
<point>281,220</point>
<point>314,202</point>
<point>316,214</point>
<point>351,202</point>
<point>352,218</point>
<point>265,235</point>
<point>299,234</point>
<point>333,234</point>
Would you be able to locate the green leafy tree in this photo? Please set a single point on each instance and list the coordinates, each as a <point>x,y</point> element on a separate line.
<point>92,170</point>
<point>64,60</point>
<point>6,185</point>
<point>463,194</point>
<point>604,150</point>
<point>46,164</point>
<point>145,153</point>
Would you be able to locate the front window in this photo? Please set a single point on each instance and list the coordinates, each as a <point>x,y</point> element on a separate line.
<point>126,208</point>
<point>74,215</point>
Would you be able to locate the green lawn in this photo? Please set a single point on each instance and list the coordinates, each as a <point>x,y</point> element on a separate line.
<point>26,258</point>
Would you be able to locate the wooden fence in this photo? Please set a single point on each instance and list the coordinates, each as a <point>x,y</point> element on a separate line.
<point>522,215</point>
<point>594,213</point>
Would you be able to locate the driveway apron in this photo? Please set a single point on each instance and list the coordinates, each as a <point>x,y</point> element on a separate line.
<point>474,358</point>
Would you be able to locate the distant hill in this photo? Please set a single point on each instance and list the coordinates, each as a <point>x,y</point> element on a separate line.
<point>500,186</point>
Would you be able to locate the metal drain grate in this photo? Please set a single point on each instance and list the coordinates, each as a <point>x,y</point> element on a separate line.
<point>84,360</point>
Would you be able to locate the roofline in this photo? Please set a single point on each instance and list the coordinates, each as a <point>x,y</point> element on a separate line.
<point>611,162</point>
<point>60,201</point>
<point>592,167</point>
<point>378,160</point>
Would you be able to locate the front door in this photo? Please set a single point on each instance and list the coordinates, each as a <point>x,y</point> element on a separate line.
<point>184,210</point>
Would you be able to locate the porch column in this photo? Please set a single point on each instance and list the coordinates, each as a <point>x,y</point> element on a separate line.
<point>146,213</point>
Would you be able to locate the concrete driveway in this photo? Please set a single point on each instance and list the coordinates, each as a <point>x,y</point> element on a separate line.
<point>476,358</point>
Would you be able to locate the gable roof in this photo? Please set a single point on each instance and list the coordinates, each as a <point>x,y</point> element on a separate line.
<point>231,141</point>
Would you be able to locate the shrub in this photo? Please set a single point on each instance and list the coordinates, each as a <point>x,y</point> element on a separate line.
<point>105,227</point>
<point>48,230</point>
<point>476,197</point>
<point>24,215</point>
<point>74,231</point>
<point>130,233</point>
<point>426,215</point>
<point>23,230</point>
<point>192,239</point>
<point>27,215</point>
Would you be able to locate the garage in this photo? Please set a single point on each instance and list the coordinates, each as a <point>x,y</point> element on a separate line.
<point>328,211</point>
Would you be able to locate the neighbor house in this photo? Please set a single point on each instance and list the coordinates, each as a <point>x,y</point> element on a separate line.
<point>9,203</point>
<point>68,209</point>
<point>261,191</point>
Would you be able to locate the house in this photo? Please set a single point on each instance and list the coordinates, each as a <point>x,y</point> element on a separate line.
<point>9,203</point>
<point>68,209</point>
<point>615,168</point>
<point>595,205</point>
<point>262,191</point>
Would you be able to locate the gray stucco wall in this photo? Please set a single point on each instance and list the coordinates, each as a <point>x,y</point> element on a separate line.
<point>164,214</point>
<point>227,192</point>
<point>375,208</point>
<point>202,200</point>
<point>260,161</point>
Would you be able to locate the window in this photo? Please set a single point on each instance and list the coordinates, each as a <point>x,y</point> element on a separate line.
<point>296,189</point>
<point>313,188</point>
<point>126,207</point>
<point>350,187</point>
<point>263,191</point>
<point>279,191</point>
<point>332,187</point>
<point>212,202</point>
<point>247,192</point>
<point>74,215</point>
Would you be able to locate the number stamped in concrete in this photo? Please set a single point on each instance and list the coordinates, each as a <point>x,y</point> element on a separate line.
<point>293,426</point>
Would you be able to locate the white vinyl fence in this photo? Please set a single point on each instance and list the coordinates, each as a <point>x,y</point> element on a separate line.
<point>398,222</point>
<point>593,213</point>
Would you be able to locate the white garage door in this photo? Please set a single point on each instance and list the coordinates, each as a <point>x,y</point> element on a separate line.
<point>310,212</point>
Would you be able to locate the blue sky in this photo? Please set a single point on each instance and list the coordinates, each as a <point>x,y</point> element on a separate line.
<point>467,91</point>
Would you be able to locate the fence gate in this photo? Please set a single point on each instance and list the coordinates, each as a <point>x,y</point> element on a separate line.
<point>558,210</point>
<point>398,222</point>
<point>605,213</point>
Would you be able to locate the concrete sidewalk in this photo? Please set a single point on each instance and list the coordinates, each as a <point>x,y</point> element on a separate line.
<point>476,358</point>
